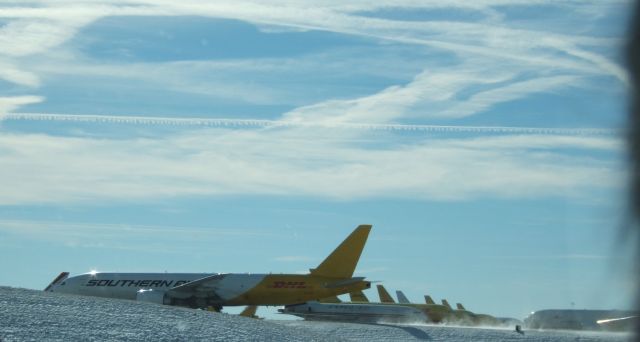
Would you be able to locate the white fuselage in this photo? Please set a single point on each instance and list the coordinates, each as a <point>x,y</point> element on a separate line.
<point>127,285</point>
<point>355,312</point>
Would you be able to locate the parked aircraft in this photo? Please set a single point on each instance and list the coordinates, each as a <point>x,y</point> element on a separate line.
<point>463,316</point>
<point>356,312</point>
<point>402,298</point>
<point>435,313</point>
<point>429,300</point>
<point>611,320</point>
<point>332,277</point>
<point>385,297</point>
<point>361,310</point>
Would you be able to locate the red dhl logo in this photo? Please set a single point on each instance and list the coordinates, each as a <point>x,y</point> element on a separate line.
<point>289,285</point>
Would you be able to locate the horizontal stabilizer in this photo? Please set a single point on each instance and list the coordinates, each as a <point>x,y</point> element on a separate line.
<point>341,263</point>
<point>384,295</point>
<point>345,282</point>
<point>402,298</point>
<point>429,300</point>
<point>358,296</point>
<point>59,279</point>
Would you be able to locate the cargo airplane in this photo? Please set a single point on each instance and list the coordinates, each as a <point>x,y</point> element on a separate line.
<point>334,276</point>
<point>444,313</point>
<point>465,317</point>
<point>361,310</point>
<point>435,313</point>
<point>355,312</point>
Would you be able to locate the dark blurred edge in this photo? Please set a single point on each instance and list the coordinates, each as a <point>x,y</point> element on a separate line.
<point>633,63</point>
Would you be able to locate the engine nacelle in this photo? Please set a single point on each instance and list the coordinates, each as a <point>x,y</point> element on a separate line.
<point>151,296</point>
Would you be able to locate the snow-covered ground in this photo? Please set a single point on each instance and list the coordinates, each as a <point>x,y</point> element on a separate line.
<point>378,332</point>
<point>39,316</point>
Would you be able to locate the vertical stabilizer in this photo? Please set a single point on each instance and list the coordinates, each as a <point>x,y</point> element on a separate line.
<point>384,295</point>
<point>429,300</point>
<point>59,279</point>
<point>343,260</point>
<point>445,303</point>
<point>460,307</point>
<point>402,298</point>
<point>358,296</point>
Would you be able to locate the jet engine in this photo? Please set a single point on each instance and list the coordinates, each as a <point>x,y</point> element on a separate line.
<point>151,296</point>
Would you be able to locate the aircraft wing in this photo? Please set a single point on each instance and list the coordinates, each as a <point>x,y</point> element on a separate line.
<point>203,287</point>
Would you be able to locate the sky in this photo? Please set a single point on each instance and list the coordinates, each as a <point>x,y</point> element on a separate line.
<point>483,140</point>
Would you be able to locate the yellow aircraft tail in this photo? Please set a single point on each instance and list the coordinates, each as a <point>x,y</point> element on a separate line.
<point>250,311</point>
<point>445,303</point>
<point>384,295</point>
<point>460,307</point>
<point>429,300</point>
<point>343,260</point>
<point>358,296</point>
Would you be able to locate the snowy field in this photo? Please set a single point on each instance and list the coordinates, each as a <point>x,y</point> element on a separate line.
<point>38,316</point>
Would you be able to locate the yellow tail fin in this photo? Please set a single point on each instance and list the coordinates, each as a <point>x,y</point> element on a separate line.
<point>384,295</point>
<point>445,303</point>
<point>343,260</point>
<point>428,299</point>
<point>460,307</point>
<point>358,296</point>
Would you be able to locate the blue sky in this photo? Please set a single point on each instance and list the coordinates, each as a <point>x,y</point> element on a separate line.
<point>349,100</point>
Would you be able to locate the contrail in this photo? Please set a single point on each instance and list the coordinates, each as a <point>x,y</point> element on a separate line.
<point>258,123</point>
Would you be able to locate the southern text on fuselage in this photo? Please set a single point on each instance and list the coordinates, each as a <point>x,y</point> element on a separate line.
<point>134,283</point>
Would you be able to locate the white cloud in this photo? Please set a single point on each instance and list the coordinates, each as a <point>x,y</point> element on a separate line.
<point>34,30</point>
<point>512,52</point>
<point>10,103</point>
<point>489,63</point>
<point>434,94</point>
<point>48,169</point>
<point>13,74</point>
<point>485,99</point>
<point>28,37</point>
